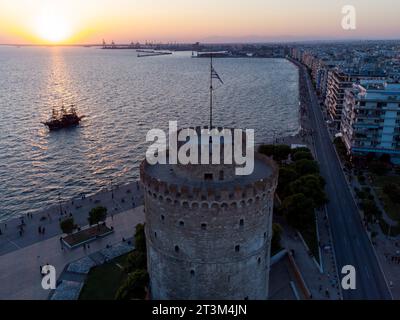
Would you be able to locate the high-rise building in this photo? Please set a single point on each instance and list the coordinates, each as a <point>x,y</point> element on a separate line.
<point>338,82</point>
<point>209,230</point>
<point>371,119</point>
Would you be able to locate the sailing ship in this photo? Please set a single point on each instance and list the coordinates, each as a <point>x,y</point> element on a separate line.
<point>63,118</point>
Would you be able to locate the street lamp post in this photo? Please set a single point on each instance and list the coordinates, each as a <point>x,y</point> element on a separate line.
<point>112,191</point>
<point>59,201</point>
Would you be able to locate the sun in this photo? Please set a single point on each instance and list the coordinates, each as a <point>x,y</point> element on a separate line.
<point>53,27</point>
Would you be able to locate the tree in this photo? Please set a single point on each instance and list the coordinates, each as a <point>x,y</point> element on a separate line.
<point>134,286</point>
<point>140,238</point>
<point>298,210</point>
<point>67,225</point>
<point>286,176</point>
<point>267,149</point>
<point>312,186</point>
<point>278,152</point>
<point>302,155</point>
<point>370,157</point>
<point>370,210</point>
<point>393,192</point>
<point>378,167</point>
<point>304,167</point>
<point>136,260</point>
<point>281,152</point>
<point>385,158</point>
<point>276,237</point>
<point>301,149</point>
<point>97,215</point>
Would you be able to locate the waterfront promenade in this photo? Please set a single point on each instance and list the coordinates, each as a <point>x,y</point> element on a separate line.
<point>21,256</point>
<point>117,200</point>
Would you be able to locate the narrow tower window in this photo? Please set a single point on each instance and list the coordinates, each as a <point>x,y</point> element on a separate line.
<point>237,248</point>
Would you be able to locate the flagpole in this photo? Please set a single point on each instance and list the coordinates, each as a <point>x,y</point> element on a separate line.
<point>211,90</point>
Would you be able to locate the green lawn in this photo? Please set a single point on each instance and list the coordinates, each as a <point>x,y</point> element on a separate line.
<point>103,281</point>
<point>392,209</point>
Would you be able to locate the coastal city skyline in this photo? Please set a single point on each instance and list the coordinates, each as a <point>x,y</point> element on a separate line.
<point>77,22</point>
<point>218,151</point>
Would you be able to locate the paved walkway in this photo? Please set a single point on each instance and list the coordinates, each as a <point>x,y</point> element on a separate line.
<point>20,276</point>
<point>323,286</point>
<point>117,200</point>
<point>388,251</point>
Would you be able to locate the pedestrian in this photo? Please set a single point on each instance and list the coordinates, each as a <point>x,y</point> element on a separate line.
<point>43,230</point>
<point>40,229</point>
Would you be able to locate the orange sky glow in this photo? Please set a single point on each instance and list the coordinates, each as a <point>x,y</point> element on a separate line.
<point>90,21</point>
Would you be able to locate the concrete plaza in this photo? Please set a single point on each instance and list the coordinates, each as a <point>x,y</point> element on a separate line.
<point>22,253</point>
<point>20,276</point>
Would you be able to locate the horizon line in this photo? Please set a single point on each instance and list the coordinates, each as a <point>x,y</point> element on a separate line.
<point>194,42</point>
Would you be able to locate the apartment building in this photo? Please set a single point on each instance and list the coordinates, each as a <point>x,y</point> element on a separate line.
<point>371,119</point>
<point>338,81</point>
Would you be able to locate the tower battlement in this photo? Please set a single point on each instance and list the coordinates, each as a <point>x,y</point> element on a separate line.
<point>208,231</point>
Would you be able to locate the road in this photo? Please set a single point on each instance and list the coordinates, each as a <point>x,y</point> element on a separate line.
<point>351,242</point>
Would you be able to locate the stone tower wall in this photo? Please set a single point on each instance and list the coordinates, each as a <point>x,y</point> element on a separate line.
<point>208,244</point>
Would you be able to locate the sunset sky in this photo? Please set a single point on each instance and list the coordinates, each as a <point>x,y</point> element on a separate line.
<point>89,21</point>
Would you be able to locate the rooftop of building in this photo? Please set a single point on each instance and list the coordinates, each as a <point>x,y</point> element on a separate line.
<point>211,176</point>
<point>168,173</point>
<point>377,90</point>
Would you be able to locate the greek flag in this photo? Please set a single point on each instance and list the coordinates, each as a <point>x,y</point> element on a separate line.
<point>214,75</point>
